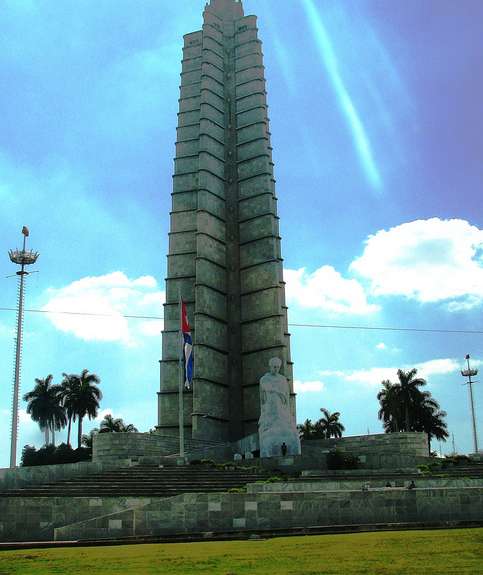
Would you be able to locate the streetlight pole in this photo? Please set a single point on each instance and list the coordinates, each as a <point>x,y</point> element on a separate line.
<point>22,258</point>
<point>469,373</point>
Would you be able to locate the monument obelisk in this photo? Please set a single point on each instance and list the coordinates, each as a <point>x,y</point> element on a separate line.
<point>224,244</point>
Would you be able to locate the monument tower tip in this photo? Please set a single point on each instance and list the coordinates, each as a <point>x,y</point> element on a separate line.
<point>233,8</point>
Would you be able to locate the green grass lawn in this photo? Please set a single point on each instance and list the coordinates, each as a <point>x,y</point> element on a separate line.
<point>456,551</point>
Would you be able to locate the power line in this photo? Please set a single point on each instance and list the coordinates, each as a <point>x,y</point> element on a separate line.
<point>309,325</point>
<point>83,313</point>
<point>382,328</point>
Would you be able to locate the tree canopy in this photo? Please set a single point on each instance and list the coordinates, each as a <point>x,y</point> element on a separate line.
<point>405,406</point>
<point>326,427</point>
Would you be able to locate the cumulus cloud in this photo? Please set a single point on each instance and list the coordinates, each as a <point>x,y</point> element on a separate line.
<point>373,376</point>
<point>430,260</point>
<point>112,297</point>
<point>308,386</point>
<point>381,346</point>
<point>326,289</point>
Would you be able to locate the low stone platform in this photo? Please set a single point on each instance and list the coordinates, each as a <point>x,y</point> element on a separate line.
<point>224,512</point>
<point>140,490</point>
<point>150,502</point>
<point>33,512</point>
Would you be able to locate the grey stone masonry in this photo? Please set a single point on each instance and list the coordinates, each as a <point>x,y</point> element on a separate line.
<point>224,512</point>
<point>224,244</point>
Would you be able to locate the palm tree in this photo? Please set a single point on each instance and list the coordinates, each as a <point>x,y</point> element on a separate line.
<point>44,404</point>
<point>410,394</point>
<point>405,407</point>
<point>430,419</point>
<point>111,425</point>
<point>390,411</point>
<point>399,401</point>
<point>129,428</point>
<point>85,399</point>
<point>330,424</point>
<point>87,440</point>
<point>306,429</point>
<point>69,391</point>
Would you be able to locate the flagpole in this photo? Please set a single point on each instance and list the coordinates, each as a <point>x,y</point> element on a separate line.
<point>181,381</point>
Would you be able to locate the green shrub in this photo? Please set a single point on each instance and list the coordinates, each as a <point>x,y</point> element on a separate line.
<point>273,479</point>
<point>337,459</point>
<point>51,455</point>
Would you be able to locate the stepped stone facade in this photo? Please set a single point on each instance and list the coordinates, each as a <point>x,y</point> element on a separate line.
<point>224,244</point>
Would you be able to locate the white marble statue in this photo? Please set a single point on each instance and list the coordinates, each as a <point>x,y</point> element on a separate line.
<point>276,426</point>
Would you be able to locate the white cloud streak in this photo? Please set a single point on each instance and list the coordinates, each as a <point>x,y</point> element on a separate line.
<point>360,137</point>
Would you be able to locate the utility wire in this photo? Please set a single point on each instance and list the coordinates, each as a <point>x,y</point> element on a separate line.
<point>309,325</point>
<point>83,313</point>
<point>382,328</point>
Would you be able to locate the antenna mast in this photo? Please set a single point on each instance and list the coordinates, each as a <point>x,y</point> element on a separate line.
<point>22,258</point>
<point>469,373</point>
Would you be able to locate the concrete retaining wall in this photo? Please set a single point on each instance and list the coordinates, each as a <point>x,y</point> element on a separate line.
<point>407,443</point>
<point>356,484</point>
<point>34,518</point>
<point>229,511</point>
<point>379,451</point>
<point>109,447</point>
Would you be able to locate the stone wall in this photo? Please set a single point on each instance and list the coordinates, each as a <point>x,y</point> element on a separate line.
<point>378,451</point>
<point>34,518</point>
<point>254,511</point>
<point>110,447</point>
<point>381,451</point>
<point>348,484</point>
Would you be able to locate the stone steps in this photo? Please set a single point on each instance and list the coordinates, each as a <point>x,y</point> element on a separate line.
<point>142,482</point>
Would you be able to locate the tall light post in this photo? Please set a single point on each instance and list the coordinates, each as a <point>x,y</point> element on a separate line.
<point>469,373</point>
<point>22,258</point>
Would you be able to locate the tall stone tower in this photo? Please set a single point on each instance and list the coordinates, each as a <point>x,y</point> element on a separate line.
<point>224,244</point>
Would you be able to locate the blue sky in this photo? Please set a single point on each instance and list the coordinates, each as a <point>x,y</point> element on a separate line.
<point>375,110</point>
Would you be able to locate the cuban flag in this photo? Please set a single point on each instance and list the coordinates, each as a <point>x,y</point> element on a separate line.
<point>187,348</point>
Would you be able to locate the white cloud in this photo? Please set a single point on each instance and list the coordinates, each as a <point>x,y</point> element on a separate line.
<point>373,376</point>
<point>113,296</point>
<point>327,290</point>
<point>308,386</point>
<point>430,260</point>
<point>381,346</point>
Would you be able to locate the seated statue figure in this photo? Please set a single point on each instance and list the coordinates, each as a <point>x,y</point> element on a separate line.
<point>276,426</point>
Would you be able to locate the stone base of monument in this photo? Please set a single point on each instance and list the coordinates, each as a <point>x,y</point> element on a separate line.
<point>136,491</point>
<point>136,502</point>
<point>379,451</point>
